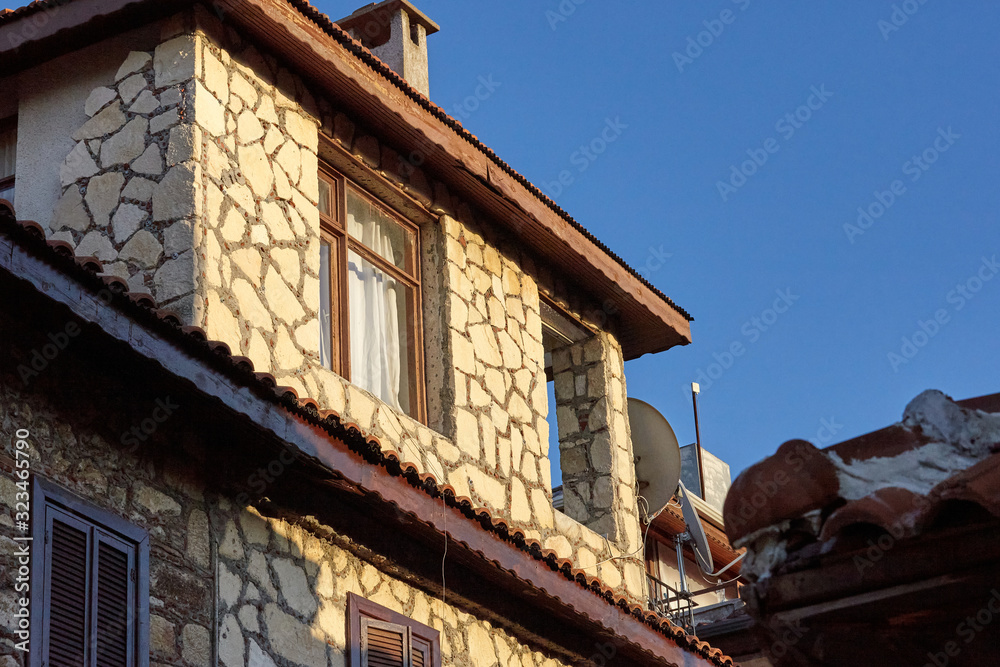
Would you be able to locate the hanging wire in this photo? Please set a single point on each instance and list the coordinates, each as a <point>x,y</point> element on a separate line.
<point>645,537</point>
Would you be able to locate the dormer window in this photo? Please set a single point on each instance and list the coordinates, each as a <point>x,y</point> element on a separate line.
<point>370,316</point>
<point>8,157</point>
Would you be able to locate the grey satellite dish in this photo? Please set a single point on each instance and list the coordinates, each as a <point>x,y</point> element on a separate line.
<point>696,532</point>
<point>657,454</point>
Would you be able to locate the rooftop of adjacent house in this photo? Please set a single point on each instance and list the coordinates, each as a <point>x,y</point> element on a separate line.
<point>897,478</point>
<point>650,321</point>
<point>27,255</point>
<point>887,540</point>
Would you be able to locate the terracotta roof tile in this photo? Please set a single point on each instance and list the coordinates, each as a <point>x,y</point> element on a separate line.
<point>979,484</point>
<point>895,510</point>
<point>798,479</point>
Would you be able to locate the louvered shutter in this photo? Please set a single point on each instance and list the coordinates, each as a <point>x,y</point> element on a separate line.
<point>384,644</point>
<point>115,613</point>
<point>418,655</point>
<point>68,584</point>
<point>90,594</point>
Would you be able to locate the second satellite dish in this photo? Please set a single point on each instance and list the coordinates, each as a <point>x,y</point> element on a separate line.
<point>657,454</point>
<point>699,542</point>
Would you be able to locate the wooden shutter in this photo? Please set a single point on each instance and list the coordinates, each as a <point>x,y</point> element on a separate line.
<point>115,612</point>
<point>380,637</point>
<point>384,644</point>
<point>68,579</point>
<point>418,655</point>
<point>90,600</point>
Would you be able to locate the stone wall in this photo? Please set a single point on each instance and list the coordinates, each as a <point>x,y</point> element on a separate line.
<point>76,441</point>
<point>195,179</point>
<point>498,379</point>
<point>256,589</point>
<point>594,440</point>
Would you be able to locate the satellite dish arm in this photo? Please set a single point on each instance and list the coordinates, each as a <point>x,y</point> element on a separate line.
<point>733,562</point>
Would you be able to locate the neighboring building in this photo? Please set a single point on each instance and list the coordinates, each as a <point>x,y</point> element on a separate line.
<point>276,353</point>
<point>882,549</point>
<point>719,596</point>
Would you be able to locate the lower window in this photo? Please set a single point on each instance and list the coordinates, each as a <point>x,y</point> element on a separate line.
<point>380,637</point>
<point>90,575</point>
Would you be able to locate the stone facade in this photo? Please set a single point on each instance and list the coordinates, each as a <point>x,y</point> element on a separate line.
<point>498,379</point>
<point>195,179</point>
<point>256,590</point>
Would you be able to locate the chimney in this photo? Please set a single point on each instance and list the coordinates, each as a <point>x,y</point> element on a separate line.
<point>396,32</point>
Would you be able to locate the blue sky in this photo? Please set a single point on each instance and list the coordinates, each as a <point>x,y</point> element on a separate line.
<point>869,86</point>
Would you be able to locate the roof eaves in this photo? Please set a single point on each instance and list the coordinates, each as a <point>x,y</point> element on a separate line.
<point>326,24</point>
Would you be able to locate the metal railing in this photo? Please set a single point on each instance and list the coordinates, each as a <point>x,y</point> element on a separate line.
<point>676,605</point>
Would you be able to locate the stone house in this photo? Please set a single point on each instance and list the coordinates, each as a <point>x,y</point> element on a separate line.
<point>279,333</point>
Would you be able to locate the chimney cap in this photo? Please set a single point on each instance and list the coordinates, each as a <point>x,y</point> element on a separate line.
<point>387,8</point>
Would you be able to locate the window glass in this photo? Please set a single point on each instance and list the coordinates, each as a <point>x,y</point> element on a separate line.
<point>378,232</point>
<point>325,203</point>
<point>8,159</point>
<point>380,308</point>
<point>325,307</point>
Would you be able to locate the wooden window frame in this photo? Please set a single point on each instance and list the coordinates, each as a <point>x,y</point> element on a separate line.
<point>361,610</point>
<point>333,231</point>
<point>6,124</point>
<point>47,494</point>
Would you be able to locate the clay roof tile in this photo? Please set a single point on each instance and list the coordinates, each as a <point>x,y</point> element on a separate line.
<point>898,511</point>
<point>799,478</point>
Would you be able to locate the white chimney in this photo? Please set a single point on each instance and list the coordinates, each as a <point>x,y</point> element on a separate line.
<point>396,32</point>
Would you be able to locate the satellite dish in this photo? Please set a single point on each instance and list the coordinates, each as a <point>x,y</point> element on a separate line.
<point>657,454</point>
<point>695,530</point>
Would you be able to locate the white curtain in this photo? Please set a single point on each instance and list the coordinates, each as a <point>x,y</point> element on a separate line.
<point>325,308</point>
<point>379,357</point>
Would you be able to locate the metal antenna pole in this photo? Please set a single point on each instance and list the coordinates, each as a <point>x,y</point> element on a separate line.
<point>695,390</point>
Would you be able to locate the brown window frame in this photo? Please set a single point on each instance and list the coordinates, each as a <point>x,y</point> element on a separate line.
<point>102,529</point>
<point>362,612</point>
<point>6,124</point>
<point>333,231</point>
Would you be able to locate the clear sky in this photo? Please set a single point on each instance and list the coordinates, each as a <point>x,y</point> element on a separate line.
<point>735,166</point>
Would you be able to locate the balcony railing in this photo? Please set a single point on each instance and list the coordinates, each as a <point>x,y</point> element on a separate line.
<point>667,601</point>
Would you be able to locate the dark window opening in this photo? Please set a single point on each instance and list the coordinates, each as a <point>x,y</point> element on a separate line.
<point>560,331</point>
